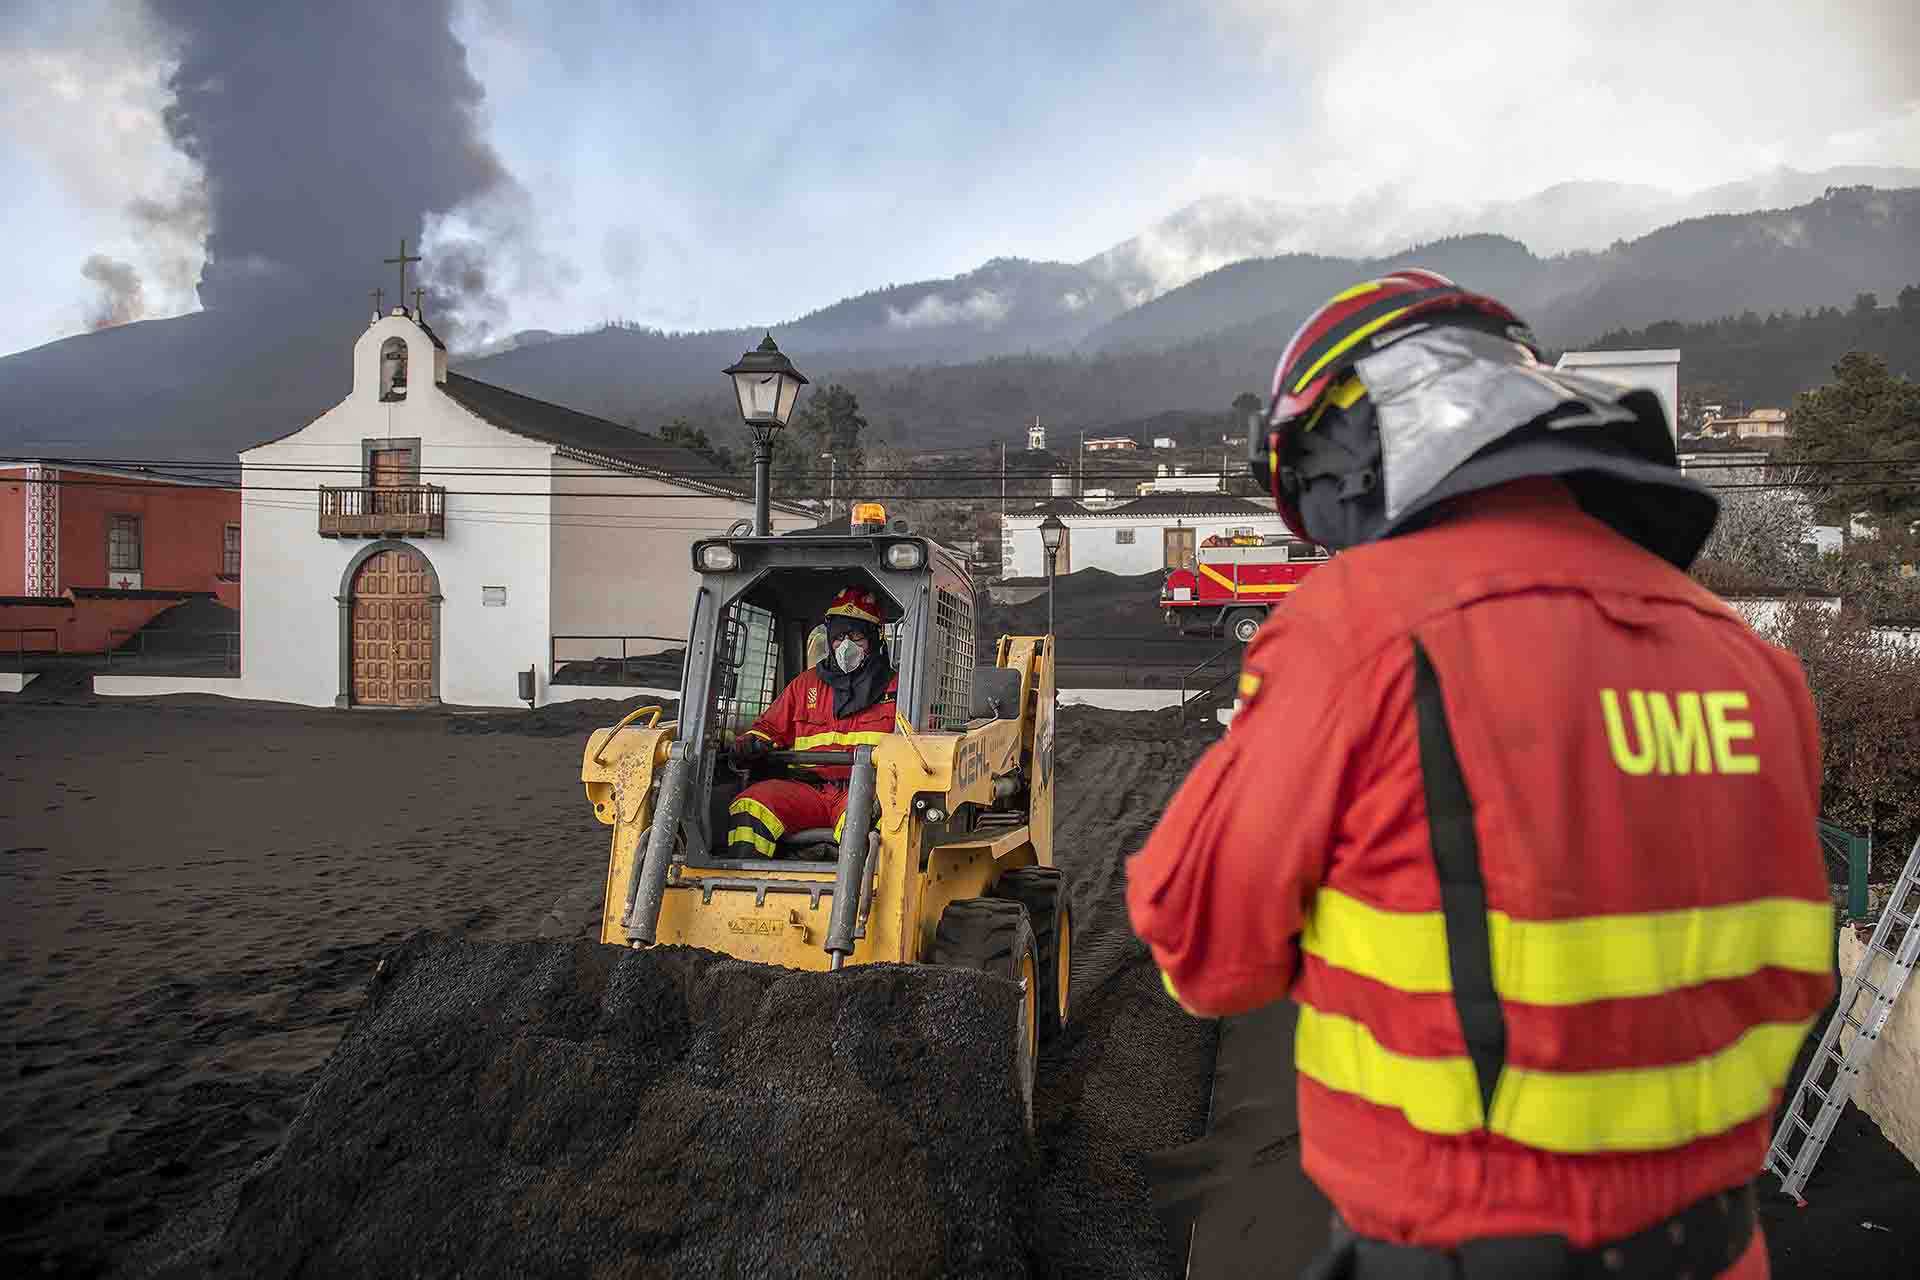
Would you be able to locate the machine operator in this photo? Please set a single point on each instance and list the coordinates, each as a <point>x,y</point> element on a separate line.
<point>845,700</point>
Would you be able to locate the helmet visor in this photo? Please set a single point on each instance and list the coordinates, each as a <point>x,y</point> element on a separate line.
<point>1442,394</point>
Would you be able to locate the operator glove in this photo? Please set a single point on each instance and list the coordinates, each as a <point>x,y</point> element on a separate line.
<point>747,748</point>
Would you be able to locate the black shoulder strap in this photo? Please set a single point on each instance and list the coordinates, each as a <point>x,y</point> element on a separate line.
<point>1463,890</point>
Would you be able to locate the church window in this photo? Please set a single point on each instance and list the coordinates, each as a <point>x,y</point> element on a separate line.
<point>393,369</point>
<point>123,543</point>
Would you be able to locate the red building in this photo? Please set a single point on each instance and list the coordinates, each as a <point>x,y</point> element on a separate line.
<point>89,548</point>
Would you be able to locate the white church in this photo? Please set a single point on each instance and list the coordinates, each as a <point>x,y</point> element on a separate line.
<point>430,538</point>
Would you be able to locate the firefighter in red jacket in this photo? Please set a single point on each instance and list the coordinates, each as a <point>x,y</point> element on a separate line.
<point>1518,815</point>
<point>847,699</point>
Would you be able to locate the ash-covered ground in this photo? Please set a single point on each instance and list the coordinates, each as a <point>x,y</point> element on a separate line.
<point>197,894</point>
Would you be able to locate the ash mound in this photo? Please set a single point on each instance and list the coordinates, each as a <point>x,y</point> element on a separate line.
<point>572,1109</point>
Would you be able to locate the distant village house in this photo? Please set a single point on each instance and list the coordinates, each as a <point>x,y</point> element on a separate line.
<point>1145,535</point>
<point>90,552</point>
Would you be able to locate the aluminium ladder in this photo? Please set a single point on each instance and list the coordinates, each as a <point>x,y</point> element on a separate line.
<point>1898,939</point>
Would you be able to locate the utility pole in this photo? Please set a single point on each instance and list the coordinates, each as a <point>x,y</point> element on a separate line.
<point>1003,479</point>
<point>1080,485</point>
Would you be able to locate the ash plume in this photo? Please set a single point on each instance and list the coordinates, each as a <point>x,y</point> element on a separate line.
<point>173,232</point>
<point>324,134</point>
<point>121,297</point>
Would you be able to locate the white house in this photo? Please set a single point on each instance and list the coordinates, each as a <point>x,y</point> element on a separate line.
<point>1656,370</point>
<point>1159,531</point>
<point>430,537</point>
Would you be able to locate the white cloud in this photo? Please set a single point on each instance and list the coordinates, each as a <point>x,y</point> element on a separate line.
<point>982,307</point>
<point>82,88</point>
<point>1480,100</point>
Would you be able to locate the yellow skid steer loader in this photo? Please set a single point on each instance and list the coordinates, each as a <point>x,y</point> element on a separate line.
<point>946,853</point>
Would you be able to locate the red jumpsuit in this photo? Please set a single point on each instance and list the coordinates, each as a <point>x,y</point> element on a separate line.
<point>1644,778</point>
<point>802,719</point>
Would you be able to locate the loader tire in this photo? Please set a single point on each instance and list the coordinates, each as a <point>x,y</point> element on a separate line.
<point>994,936</point>
<point>1042,892</point>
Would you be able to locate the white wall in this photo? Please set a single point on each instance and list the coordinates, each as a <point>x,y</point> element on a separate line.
<point>1904,637</point>
<point>290,622</point>
<point>623,565</point>
<point>1762,612</point>
<point>1091,542</point>
<point>1889,1089</point>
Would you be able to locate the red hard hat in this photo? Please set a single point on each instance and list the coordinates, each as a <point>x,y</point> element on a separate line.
<point>1336,336</point>
<point>855,602</point>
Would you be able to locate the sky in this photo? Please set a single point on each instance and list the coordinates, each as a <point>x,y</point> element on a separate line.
<point>690,166</point>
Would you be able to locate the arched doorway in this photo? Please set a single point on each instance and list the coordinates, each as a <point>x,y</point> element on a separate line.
<point>392,600</point>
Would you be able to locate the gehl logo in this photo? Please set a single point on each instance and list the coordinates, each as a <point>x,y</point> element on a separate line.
<point>1677,733</point>
<point>969,764</point>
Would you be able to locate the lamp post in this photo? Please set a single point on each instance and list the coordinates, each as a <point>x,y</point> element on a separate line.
<point>766,384</point>
<point>1051,530</point>
<point>833,467</point>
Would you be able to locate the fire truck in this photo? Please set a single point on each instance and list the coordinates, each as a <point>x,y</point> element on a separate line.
<point>1233,581</point>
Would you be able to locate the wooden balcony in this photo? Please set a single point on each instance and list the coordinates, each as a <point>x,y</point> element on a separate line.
<point>383,511</point>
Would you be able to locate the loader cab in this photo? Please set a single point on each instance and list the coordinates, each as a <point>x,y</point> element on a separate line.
<point>758,601</point>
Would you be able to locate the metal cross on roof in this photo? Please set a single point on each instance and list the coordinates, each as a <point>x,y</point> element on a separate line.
<point>403,260</point>
<point>418,293</point>
<point>379,297</point>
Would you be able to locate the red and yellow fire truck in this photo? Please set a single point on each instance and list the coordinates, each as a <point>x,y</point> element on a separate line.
<point>1233,582</point>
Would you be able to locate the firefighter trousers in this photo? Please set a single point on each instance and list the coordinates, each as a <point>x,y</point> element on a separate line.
<point>767,810</point>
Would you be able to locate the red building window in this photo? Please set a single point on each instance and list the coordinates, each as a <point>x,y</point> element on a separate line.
<point>230,551</point>
<point>123,543</point>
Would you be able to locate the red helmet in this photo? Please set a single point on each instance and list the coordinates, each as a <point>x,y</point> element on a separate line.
<point>1336,336</point>
<point>857,603</point>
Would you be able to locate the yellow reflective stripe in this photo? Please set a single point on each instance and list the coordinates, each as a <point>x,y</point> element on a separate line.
<point>753,808</point>
<point>1249,684</point>
<point>1348,393</point>
<point>1166,984</point>
<point>748,836</point>
<point>1245,588</point>
<point>1359,335</point>
<point>1578,961</point>
<point>1648,1108</point>
<point>1639,1109</point>
<point>1366,287</point>
<point>1437,1095</point>
<point>756,733</point>
<point>808,741</point>
<point>839,825</point>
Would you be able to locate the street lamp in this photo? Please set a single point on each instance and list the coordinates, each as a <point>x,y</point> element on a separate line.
<point>833,467</point>
<point>766,384</point>
<point>1051,530</point>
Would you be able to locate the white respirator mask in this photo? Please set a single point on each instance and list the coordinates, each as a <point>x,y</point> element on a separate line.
<point>849,653</point>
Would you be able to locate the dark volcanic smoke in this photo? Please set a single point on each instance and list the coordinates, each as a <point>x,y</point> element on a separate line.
<point>325,133</point>
<point>121,297</point>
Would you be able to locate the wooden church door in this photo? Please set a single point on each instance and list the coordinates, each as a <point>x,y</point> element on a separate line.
<point>392,658</point>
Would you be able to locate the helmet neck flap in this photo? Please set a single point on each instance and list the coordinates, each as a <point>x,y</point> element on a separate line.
<point>1454,409</point>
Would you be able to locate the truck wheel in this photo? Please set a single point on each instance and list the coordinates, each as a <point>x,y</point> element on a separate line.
<point>993,936</point>
<point>1042,892</point>
<point>1244,624</point>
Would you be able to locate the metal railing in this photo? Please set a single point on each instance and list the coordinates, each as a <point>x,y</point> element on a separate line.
<point>229,646</point>
<point>1193,674</point>
<point>20,634</point>
<point>627,656</point>
<point>371,511</point>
